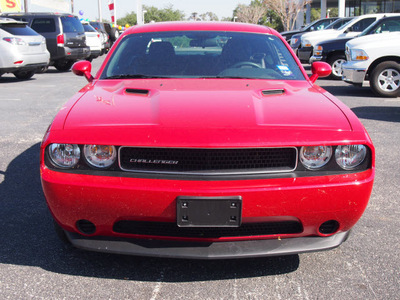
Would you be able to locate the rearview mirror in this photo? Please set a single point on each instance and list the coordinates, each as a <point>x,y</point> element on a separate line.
<point>83,68</point>
<point>320,69</point>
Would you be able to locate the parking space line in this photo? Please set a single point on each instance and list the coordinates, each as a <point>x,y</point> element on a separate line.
<point>10,99</point>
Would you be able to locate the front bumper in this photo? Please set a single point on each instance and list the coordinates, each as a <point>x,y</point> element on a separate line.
<point>304,54</point>
<point>106,200</point>
<point>315,58</point>
<point>217,250</point>
<point>353,73</point>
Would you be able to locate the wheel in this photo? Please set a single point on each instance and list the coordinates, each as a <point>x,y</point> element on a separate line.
<point>63,65</point>
<point>385,79</point>
<point>114,34</point>
<point>336,62</point>
<point>24,75</point>
<point>246,64</point>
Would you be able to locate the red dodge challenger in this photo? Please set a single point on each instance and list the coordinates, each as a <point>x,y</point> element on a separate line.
<point>205,140</point>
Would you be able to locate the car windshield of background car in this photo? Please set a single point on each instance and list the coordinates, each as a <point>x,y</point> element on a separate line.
<point>382,26</point>
<point>202,54</point>
<point>71,24</point>
<point>18,29</point>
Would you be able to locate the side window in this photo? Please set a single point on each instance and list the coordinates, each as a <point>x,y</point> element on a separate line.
<point>44,25</point>
<point>362,24</point>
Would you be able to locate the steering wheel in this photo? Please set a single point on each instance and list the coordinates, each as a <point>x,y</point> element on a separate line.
<point>246,64</point>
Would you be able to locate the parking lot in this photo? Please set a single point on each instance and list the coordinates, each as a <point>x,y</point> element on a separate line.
<point>34,264</point>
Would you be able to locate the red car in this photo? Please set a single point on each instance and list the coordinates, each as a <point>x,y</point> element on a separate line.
<point>205,140</point>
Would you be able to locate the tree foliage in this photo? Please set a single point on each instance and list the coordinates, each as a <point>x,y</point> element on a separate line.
<point>153,14</point>
<point>250,13</point>
<point>287,10</point>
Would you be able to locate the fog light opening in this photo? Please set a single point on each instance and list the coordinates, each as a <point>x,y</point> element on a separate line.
<point>329,227</point>
<point>86,227</point>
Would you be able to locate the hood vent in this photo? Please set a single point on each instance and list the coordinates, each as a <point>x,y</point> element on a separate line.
<point>273,92</point>
<point>137,91</point>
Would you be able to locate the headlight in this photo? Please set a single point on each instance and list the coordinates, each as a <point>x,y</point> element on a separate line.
<point>64,155</point>
<point>100,156</point>
<point>318,50</point>
<point>315,157</point>
<point>305,43</point>
<point>293,41</point>
<point>358,54</point>
<point>350,156</point>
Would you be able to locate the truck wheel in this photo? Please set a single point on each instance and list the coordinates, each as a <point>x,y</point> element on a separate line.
<point>63,65</point>
<point>24,75</point>
<point>385,79</point>
<point>336,62</point>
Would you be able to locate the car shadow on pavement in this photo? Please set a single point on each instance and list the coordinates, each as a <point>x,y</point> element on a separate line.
<point>378,113</point>
<point>348,90</point>
<point>27,238</point>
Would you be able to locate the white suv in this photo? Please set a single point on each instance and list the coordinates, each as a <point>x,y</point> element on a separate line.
<point>23,50</point>
<point>375,58</point>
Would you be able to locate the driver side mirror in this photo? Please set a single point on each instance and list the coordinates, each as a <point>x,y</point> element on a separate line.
<point>83,68</point>
<point>320,69</point>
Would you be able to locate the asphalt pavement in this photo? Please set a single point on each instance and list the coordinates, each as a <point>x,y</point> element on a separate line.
<point>34,264</point>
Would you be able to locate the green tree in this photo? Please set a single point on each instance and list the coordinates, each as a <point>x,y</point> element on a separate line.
<point>153,14</point>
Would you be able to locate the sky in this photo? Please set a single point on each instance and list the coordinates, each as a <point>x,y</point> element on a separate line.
<point>222,8</point>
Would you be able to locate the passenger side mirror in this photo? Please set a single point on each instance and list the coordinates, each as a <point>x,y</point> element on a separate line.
<point>83,68</point>
<point>320,69</point>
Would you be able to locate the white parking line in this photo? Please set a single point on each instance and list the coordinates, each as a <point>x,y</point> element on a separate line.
<point>10,99</point>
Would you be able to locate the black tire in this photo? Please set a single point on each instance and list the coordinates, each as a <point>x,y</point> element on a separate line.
<point>63,65</point>
<point>385,79</point>
<point>114,34</point>
<point>24,75</point>
<point>61,233</point>
<point>336,61</point>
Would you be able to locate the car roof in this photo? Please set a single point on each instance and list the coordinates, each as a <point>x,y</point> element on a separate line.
<point>200,26</point>
<point>32,14</point>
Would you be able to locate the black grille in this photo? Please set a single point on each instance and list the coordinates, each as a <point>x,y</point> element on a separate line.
<point>172,230</point>
<point>208,161</point>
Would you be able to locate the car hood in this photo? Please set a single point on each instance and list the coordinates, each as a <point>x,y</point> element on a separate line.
<point>204,111</point>
<point>374,40</point>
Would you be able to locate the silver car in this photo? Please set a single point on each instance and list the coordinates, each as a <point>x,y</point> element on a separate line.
<point>23,50</point>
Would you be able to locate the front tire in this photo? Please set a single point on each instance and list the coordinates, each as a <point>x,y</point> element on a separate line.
<point>336,62</point>
<point>385,79</point>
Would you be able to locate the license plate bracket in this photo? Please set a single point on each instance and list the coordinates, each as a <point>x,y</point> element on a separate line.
<point>209,211</point>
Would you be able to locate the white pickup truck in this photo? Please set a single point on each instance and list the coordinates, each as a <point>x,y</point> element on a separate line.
<point>375,58</point>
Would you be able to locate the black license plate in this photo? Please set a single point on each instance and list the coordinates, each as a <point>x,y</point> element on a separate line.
<point>209,211</point>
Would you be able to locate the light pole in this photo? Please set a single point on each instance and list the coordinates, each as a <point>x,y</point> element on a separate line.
<point>234,18</point>
<point>100,15</point>
<point>145,11</point>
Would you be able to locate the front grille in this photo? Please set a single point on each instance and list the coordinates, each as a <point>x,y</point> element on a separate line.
<point>208,161</point>
<point>172,230</point>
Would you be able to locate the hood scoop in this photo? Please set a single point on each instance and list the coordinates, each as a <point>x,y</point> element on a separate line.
<point>142,92</point>
<point>273,92</point>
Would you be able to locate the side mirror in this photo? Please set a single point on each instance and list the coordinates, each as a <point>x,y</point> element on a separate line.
<point>83,68</point>
<point>320,69</point>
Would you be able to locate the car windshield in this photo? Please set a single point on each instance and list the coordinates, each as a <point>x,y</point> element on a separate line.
<point>71,24</point>
<point>338,23</point>
<point>202,54</point>
<point>18,29</point>
<point>382,26</point>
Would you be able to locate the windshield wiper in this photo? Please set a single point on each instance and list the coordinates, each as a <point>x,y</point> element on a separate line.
<point>134,76</point>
